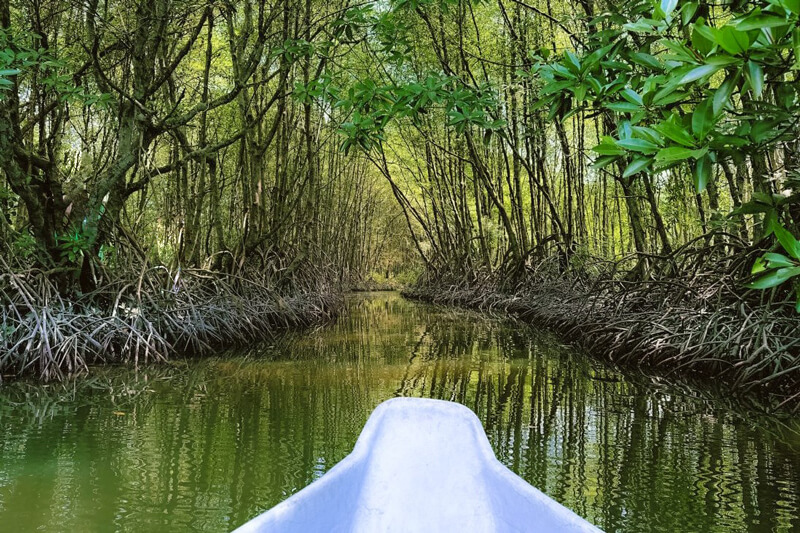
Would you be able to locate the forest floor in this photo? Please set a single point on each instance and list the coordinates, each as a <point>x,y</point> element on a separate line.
<point>149,316</point>
<point>752,351</point>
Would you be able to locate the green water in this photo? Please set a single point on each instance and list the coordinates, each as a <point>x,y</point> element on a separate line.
<point>208,444</point>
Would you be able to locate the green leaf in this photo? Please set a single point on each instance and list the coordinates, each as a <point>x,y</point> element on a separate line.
<point>640,26</point>
<point>678,153</point>
<point>722,60</point>
<point>773,278</point>
<point>573,63</point>
<point>787,240</point>
<point>556,87</point>
<point>703,37</point>
<point>674,131</point>
<point>775,260</point>
<point>796,47</point>
<point>703,119</point>
<point>792,6</point>
<point>636,166</point>
<point>699,72</point>
<point>632,97</point>
<point>687,12</point>
<point>731,40</point>
<point>638,145</point>
<point>623,107</point>
<point>668,95</point>
<point>723,94</point>
<point>646,60</point>
<point>604,161</point>
<point>755,76</point>
<point>757,21</point>
<point>608,147</point>
<point>668,6</point>
<point>702,173</point>
<point>759,265</point>
<point>751,208</point>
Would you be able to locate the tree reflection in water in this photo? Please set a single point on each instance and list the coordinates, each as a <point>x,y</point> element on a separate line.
<point>206,444</point>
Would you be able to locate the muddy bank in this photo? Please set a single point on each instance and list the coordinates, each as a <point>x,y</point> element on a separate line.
<point>752,350</point>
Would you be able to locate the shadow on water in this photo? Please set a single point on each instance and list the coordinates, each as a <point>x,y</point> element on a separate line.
<point>206,444</point>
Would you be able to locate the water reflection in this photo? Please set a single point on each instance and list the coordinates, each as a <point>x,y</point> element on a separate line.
<point>208,444</point>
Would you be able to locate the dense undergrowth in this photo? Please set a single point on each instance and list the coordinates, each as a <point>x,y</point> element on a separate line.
<point>696,322</point>
<point>146,313</point>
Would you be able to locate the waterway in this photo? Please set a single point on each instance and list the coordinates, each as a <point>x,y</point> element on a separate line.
<point>206,444</point>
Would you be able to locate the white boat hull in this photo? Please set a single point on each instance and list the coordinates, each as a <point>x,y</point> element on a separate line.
<point>419,466</point>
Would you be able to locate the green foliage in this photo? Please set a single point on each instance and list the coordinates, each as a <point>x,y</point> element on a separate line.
<point>73,245</point>
<point>20,55</point>
<point>372,106</point>
<point>679,101</point>
<point>25,246</point>
<point>775,268</point>
<point>688,92</point>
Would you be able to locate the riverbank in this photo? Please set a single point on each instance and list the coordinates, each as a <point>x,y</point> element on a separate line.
<point>680,331</point>
<point>153,315</point>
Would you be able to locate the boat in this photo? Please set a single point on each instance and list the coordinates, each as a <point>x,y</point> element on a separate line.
<point>419,465</point>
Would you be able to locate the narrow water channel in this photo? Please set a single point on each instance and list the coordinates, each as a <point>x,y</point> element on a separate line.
<point>207,444</point>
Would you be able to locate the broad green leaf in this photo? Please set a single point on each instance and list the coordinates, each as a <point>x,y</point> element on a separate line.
<point>787,240</point>
<point>557,86</point>
<point>590,60</point>
<point>702,173</point>
<point>792,6</point>
<point>624,130</point>
<point>687,12</point>
<point>723,94</point>
<point>675,132</point>
<point>796,47</point>
<point>648,134</point>
<point>731,40</point>
<point>755,76</point>
<point>608,147</point>
<point>759,21</point>
<point>699,72</point>
<point>759,265</point>
<point>573,63</point>
<point>776,260</point>
<point>632,97</point>
<point>580,92</point>
<point>668,95</point>
<point>597,87</point>
<point>668,6</point>
<point>751,208</point>
<point>646,60</point>
<point>638,145</point>
<point>679,51</point>
<point>722,60</point>
<point>703,119</point>
<point>623,107</point>
<point>604,161</point>
<point>639,26</point>
<point>702,33</point>
<point>764,130</point>
<point>678,153</point>
<point>773,278</point>
<point>636,166</point>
